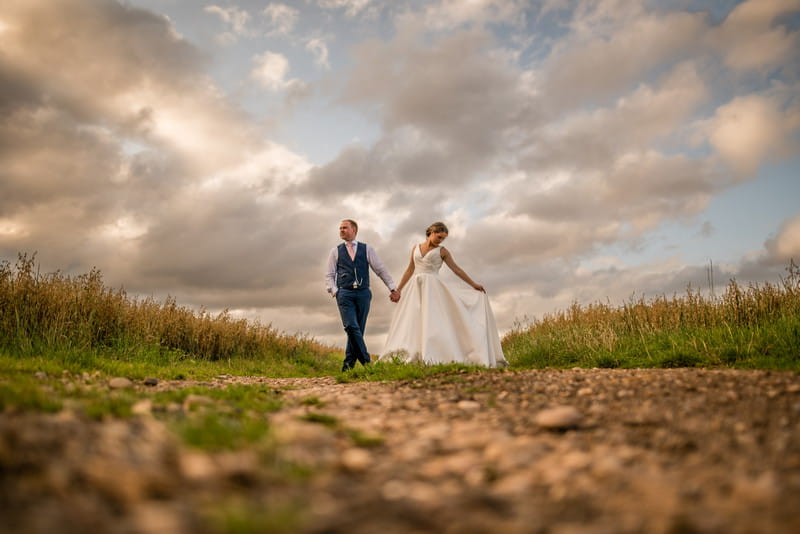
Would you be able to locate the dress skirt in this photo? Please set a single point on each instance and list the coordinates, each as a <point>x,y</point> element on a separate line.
<point>437,322</point>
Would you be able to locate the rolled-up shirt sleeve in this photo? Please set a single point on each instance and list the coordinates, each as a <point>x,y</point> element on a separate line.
<point>330,273</point>
<point>379,268</point>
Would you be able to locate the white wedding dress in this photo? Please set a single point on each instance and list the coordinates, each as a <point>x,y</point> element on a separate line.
<point>438,322</point>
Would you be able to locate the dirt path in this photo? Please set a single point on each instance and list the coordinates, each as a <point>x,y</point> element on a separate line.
<point>626,451</point>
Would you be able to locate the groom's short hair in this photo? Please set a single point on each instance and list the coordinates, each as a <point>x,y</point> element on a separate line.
<point>352,223</point>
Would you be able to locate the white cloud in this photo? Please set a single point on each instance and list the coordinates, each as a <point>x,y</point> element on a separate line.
<point>267,171</point>
<point>613,46</point>
<point>270,70</point>
<point>235,19</point>
<point>748,130</point>
<point>281,19</point>
<point>448,14</point>
<point>351,7</point>
<point>454,91</point>
<point>319,48</point>
<point>10,228</point>
<point>786,245</point>
<point>749,39</point>
<point>125,228</point>
<point>594,138</point>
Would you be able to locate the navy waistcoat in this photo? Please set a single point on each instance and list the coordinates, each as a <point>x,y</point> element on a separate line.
<point>349,271</point>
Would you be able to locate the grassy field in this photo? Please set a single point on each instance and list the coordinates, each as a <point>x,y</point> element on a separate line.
<point>78,324</point>
<point>53,325</point>
<point>54,322</point>
<point>753,327</point>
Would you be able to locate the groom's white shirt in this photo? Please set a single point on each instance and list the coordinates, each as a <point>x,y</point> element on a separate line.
<point>374,261</point>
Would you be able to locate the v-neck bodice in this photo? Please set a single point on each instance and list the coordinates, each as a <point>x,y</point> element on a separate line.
<point>430,263</point>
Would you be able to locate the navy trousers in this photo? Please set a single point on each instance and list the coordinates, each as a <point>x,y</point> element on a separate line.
<point>354,308</point>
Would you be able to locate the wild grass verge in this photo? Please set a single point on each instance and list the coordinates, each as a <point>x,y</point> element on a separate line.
<point>757,326</point>
<point>55,323</point>
<point>77,323</point>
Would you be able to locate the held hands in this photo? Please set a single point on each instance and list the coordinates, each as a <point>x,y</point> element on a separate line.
<point>394,296</point>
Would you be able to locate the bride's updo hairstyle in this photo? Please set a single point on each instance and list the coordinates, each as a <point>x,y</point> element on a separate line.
<point>435,228</point>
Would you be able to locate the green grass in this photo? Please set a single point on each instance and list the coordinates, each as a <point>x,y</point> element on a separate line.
<point>772,345</point>
<point>757,327</point>
<point>236,396</point>
<point>24,393</point>
<point>392,370</point>
<point>79,315</point>
<point>322,419</point>
<point>239,516</point>
<point>165,364</point>
<point>214,431</point>
<point>365,440</point>
<point>357,437</point>
<point>312,401</point>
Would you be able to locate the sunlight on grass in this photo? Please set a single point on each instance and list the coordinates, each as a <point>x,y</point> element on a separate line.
<point>752,327</point>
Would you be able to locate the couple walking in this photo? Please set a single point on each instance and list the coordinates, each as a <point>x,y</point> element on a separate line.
<point>434,322</point>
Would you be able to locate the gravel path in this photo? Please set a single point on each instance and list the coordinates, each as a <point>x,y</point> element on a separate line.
<point>552,452</point>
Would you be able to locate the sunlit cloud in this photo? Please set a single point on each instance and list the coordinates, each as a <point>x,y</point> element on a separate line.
<point>267,172</point>
<point>750,129</point>
<point>270,70</point>
<point>124,228</point>
<point>12,229</point>
<point>750,39</point>
<point>786,245</point>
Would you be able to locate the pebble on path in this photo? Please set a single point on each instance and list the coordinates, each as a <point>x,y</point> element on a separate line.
<point>558,418</point>
<point>120,383</point>
<point>356,460</point>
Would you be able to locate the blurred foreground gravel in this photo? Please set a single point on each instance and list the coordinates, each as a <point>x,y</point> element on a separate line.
<point>552,452</point>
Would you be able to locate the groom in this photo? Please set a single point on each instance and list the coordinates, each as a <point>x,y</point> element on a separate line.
<point>347,280</point>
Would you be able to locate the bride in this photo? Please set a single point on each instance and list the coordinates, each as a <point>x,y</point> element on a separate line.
<point>440,323</point>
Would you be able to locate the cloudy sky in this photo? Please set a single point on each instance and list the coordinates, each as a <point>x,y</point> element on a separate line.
<point>578,150</point>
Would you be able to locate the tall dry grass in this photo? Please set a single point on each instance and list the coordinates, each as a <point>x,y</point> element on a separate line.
<point>56,311</point>
<point>694,328</point>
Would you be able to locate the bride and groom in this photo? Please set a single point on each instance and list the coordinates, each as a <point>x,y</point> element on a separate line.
<point>435,322</point>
